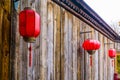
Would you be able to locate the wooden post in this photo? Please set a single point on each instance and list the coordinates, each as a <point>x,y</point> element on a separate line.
<point>14,39</point>
<point>5,9</point>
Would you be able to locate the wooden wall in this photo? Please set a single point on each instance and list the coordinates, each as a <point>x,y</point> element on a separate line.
<point>57,53</point>
<point>5,9</point>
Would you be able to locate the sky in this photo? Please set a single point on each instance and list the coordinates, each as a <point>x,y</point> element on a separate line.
<point>108,10</point>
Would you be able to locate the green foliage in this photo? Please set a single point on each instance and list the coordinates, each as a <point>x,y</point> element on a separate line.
<point>118,64</point>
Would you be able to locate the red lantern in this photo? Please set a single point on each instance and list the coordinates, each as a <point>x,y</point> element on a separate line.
<point>91,45</point>
<point>29,24</point>
<point>112,53</point>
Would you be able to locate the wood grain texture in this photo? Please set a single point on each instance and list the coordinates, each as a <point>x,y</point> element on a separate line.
<point>66,47</point>
<point>43,39</point>
<point>57,42</point>
<point>95,59</point>
<point>23,50</point>
<point>5,8</point>
<point>86,55</point>
<point>50,42</point>
<point>35,69</point>
<point>105,59</point>
<point>79,49</point>
<point>14,44</point>
<point>82,63</point>
<point>1,21</point>
<point>70,51</point>
<point>75,36</point>
<point>110,64</point>
<point>62,43</point>
<point>100,58</point>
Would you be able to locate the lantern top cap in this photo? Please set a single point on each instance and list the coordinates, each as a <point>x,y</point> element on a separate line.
<point>28,8</point>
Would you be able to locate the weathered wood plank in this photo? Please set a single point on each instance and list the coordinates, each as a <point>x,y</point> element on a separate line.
<point>82,63</point>
<point>105,59</point>
<point>57,42</point>
<point>62,44</point>
<point>23,50</point>
<point>86,55</point>
<point>100,58</point>
<point>50,42</point>
<point>110,64</point>
<point>43,39</point>
<point>36,47</point>
<point>75,36</point>
<point>66,47</point>
<point>5,46</point>
<point>23,67</point>
<point>14,45</point>
<point>70,53</point>
<point>92,57</point>
<point>95,59</point>
<point>79,49</point>
<point>1,21</point>
<point>5,38</point>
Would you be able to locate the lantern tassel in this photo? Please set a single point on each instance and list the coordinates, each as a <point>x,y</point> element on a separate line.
<point>30,55</point>
<point>90,60</point>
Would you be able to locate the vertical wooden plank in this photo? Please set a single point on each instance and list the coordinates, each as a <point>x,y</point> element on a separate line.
<point>100,58</point>
<point>50,42</point>
<point>89,57</point>
<point>95,59</point>
<point>43,39</point>
<point>5,30</point>
<point>108,62</point>
<point>1,21</point>
<point>62,44</point>
<point>57,42</point>
<point>23,50</point>
<point>34,70</point>
<point>75,36</point>
<point>82,54</point>
<point>36,47</point>
<point>70,53</point>
<point>86,55</point>
<point>66,47</point>
<point>79,49</point>
<point>23,64</point>
<point>110,65</point>
<point>14,44</point>
<point>105,60</point>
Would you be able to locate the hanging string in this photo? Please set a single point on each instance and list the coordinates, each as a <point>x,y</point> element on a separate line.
<point>30,55</point>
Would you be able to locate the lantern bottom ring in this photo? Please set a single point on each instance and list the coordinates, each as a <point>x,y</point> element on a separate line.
<point>91,51</point>
<point>29,39</point>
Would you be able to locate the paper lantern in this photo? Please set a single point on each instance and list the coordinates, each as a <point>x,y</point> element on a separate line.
<point>112,53</point>
<point>91,45</point>
<point>29,24</point>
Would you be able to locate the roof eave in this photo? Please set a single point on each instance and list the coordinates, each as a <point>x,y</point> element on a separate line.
<point>81,10</point>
